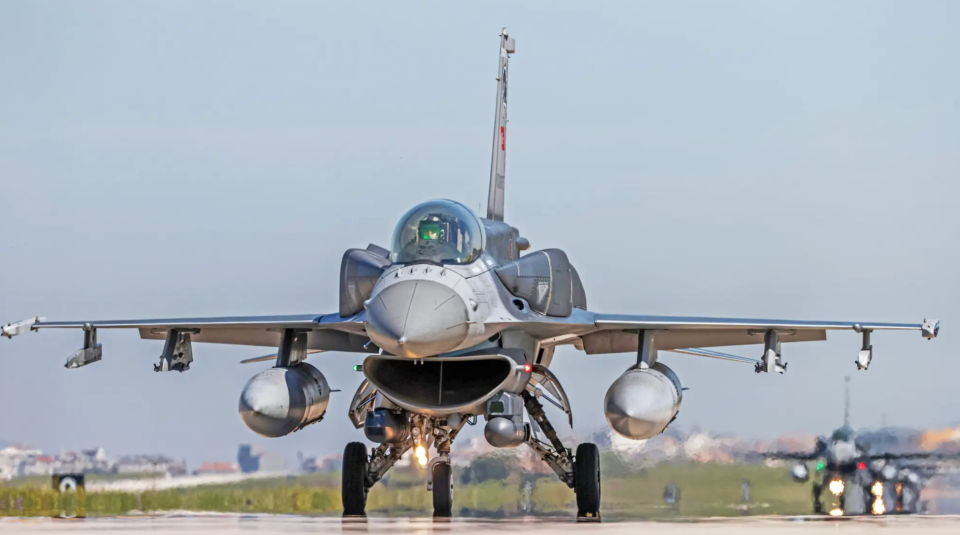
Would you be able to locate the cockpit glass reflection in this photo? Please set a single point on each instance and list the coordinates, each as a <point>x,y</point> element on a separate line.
<point>444,232</point>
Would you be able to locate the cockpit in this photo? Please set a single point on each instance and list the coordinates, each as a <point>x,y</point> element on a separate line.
<point>441,231</point>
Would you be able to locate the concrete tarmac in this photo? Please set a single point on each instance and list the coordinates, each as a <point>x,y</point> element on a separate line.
<point>202,524</point>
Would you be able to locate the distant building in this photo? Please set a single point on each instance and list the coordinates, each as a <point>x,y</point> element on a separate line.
<point>252,459</point>
<point>149,464</point>
<point>84,462</point>
<point>327,463</point>
<point>216,468</point>
<point>15,459</point>
<point>249,463</point>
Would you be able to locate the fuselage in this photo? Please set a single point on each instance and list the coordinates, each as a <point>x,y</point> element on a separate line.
<point>431,300</point>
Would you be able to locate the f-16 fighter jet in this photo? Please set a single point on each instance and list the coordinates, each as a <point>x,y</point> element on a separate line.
<point>860,479</point>
<point>458,320</point>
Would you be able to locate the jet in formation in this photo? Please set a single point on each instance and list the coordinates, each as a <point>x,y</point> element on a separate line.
<point>459,321</point>
<point>859,479</point>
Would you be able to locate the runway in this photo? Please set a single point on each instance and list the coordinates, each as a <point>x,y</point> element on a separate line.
<point>210,524</point>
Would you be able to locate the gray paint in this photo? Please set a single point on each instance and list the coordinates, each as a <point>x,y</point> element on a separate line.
<point>279,401</point>
<point>643,401</point>
<point>498,160</point>
<point>417,318</point>
<point>359,271</point>
<point>544,279</point>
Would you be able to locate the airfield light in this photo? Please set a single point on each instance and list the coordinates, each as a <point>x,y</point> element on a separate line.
<point>421,454</point>
<point>877,488</point>
<point>878,507</point>
<point>820,466</point>
<point>836,512</point>
<point>357,367</point>
<point>836,487</point>
<point>861,465</point>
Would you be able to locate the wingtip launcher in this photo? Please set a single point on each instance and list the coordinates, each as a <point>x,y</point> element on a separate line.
<point>13,329</point>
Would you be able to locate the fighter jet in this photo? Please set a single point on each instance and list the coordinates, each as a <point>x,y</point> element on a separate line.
<point>861,480</point>
<point>459,321</point>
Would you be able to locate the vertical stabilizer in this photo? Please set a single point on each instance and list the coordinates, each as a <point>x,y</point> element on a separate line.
<point>498,161</point>
<point>846,403</point>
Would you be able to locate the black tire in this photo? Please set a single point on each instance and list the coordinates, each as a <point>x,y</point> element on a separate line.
<point>442,490</point>
<point>354,489</point>
<point>586,480</point>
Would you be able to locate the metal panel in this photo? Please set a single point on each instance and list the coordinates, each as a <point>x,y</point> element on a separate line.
<point>359,272</point>
<point>618,321</point>
<point>326,340</point>
<point>627,342</point>
<point>542,278</point>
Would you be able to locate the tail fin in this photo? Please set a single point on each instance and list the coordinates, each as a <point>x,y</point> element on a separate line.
<point>498,161</point>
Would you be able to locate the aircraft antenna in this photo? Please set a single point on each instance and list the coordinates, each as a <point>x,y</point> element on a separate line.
<point>846,402</point>
<point>498,161</point>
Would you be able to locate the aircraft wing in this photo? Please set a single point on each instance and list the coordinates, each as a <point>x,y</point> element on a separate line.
<point>689,335</point>
<point>324,332</point>
<point>916,456</point>
<point>791,455</point>
<point>619,333</point>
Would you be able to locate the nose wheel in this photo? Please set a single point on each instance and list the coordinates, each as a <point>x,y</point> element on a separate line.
<point>354,489</point>
<point>442,490</point>
<point>586,481</point>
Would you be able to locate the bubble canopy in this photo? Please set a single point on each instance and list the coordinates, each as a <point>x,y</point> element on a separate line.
<point>441,231</point>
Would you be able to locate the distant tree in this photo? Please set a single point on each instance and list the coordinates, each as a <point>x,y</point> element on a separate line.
<point>488,467</point>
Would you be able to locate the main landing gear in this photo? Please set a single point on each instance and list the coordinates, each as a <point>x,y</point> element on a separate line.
<point>362,471</point>
<point>580,472</point>
<point>355,488</point>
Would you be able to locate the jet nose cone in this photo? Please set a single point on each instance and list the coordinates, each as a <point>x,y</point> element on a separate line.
<point>416,319</point>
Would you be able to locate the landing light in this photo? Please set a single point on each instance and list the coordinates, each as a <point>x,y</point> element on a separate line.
<point>421,454</point>
<point>877,488</point>
<point>836,487</point>
<point>878,507</point>
<point>836,512</point>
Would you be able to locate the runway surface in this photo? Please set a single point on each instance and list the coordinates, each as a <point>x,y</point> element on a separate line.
<point>210,524</point>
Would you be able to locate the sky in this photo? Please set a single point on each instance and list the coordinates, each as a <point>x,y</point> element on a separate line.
<point>795,160</point>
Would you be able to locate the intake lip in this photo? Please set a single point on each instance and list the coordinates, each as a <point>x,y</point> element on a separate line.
<point>417,319</point>
<point>446,385</point>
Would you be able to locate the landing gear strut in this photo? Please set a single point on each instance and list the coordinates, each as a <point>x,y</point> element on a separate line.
<point>580,472</point>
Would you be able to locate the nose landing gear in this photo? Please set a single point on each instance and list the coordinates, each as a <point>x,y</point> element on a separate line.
<point>442,483</point>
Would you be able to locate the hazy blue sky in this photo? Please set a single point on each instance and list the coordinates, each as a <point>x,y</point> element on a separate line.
<point>763,159</point>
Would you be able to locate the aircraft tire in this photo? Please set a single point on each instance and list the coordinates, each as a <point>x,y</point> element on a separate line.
<point>586,480</point>
<point>442,490</point>
<point>354,489</point>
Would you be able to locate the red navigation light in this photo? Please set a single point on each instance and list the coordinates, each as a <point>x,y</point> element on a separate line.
<point>861,466</point>
<point>527,368</point>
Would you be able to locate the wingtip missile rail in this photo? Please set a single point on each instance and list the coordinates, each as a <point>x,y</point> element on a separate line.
<point>13,329</point>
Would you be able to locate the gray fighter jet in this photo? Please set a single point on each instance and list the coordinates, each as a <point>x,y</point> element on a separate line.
<point>458,321</point>
<point>861,479</point>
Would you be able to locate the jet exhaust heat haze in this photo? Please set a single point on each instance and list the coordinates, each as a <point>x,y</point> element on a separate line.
<point>459,321</point>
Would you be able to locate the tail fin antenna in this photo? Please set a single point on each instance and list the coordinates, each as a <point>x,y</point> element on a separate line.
<point>498,162</point>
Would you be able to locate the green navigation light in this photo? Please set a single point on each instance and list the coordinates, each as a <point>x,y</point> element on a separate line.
<point>357,367</point>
